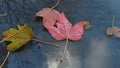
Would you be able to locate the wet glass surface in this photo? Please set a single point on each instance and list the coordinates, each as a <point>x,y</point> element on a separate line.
<point>94,50</point>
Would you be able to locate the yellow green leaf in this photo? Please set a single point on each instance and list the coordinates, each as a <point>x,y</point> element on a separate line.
<point>17,37</point>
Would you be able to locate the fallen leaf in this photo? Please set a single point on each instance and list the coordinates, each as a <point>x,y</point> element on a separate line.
<point>49,16</point>
<point>64,28</point>
<point>114,30</point>
<point>109,31</point>
<point>17,37</point>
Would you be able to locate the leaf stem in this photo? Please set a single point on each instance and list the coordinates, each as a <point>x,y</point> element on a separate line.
<point>65,49</point>
<point>3,14</point>
<point>56,4</point>
<point>113,18</point>
<point>53,44</point>
<point>8,53</point>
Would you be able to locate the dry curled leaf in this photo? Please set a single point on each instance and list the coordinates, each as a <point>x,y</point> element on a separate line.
<point>114,30</point>
<point>49,16</point>
<point>109,31</point>
<point>17,37</point>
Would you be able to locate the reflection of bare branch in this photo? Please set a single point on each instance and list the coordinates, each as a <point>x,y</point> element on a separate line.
<point>10,11</point>
<point>3,14</point>
<point>18,10</point>
<point>32,5</point>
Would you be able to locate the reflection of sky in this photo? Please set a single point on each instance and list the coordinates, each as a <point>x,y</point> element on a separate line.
<point>97,58</point>
<point>69,62</point>
<point>98,53</point>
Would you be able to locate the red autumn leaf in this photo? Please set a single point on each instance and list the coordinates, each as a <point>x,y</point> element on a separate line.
<point>49,16</point>
<point>60,28</point>
<point>65,29</point>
